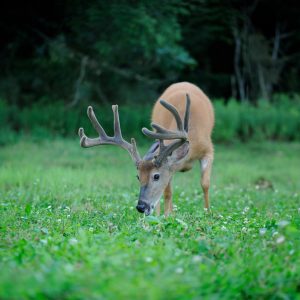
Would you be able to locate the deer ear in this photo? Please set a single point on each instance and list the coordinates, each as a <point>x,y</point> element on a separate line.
<point>175,159</point>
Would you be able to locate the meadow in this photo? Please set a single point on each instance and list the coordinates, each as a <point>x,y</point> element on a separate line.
<point>69,228</point>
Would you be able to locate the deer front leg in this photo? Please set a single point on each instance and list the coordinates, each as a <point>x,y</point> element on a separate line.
<point>206,166</point>
<point>158,209</point>
<point>168,199</point>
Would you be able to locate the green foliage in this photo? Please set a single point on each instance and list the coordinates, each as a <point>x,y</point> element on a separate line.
<point>76,50</point>
<point>69,228</point>
<point>279,120</point>
<point>124,43</point>
<point>226,120</point>
<point>276,120</point>
<point>140,34</point>
<point>43,120</point>
<point>7,122</point>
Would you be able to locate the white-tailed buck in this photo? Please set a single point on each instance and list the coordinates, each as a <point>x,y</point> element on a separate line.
<point>183,123</point>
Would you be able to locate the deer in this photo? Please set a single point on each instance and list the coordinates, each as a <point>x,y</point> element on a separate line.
<point>182,123</point>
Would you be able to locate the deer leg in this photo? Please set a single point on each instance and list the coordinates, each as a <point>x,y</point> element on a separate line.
<point>168,199</point>
<point>158,209</point>
<point>206,166</point>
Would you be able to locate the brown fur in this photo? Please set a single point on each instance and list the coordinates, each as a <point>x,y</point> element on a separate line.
<point>201,124</point>
<point>201,117</point>
<point>155,179</point>
<point>145,168</point>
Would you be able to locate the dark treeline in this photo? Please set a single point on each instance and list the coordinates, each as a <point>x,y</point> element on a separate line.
<point>122,51</point>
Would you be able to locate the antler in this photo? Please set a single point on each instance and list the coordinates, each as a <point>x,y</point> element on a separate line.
<point>104,139</point>
<point>164,134</point>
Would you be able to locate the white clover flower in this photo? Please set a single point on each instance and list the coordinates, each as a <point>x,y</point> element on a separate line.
<point>91,229</point>
<point>262,231</point>
<point>73,241</point>
<point>197,258</point>
<point>223,228</point>
<point>283,223</point>
<point>244,229</point>
<point>149,259</point>
<point>280,239</point>
<point>45,242</point>
<point>246,209</point>
<point>179,270</point>
<point>181,222</point>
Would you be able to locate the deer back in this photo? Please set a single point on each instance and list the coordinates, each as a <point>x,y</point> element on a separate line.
<point>201,120</point>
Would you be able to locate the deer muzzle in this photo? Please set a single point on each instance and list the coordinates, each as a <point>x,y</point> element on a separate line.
<point>143,206</point>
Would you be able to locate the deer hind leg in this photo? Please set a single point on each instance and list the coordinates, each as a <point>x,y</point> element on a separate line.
<point>206,166</point>
<point>168,199</point>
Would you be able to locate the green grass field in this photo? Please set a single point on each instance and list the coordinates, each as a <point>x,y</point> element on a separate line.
<point>69,228</point>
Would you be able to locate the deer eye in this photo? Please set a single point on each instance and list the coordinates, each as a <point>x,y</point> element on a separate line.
<point>156,177</point>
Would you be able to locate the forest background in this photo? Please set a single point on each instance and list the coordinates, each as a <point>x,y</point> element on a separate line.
<point>57,57</point>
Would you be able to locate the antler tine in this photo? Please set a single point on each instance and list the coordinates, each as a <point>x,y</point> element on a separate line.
<point>82,137</point>
<point>135,151</point>
<point>96,124</point>
<point>164,134</point>
<point>187,113</point>
<point>117,128</point>
<point>104,139</point>
<point>118,139</point>
<point>86,142</point>
<point>165,151</point>
<point>172,134</point>
<point>174,111</point>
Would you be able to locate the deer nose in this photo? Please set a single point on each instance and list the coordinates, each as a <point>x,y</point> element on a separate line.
<point>141,207</point>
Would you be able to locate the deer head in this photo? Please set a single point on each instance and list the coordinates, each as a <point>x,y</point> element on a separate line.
<point>161,161</point>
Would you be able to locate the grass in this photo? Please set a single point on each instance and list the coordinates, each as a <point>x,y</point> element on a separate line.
<point>69,228</point>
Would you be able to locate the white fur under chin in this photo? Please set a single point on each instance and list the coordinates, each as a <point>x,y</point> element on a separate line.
<point>152,207</point>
